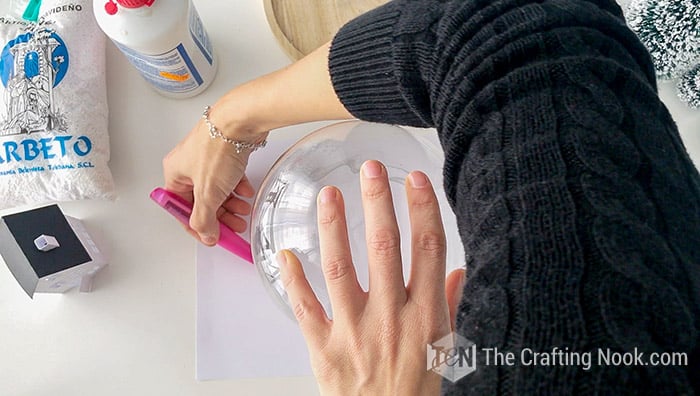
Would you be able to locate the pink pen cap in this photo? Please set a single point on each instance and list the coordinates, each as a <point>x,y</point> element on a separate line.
<point>182,210</point>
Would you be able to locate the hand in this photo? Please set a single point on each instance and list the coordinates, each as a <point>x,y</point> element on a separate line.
<point>209,173</point>
<point>376,342</point>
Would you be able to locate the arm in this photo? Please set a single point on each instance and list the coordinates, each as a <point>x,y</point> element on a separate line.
<point>577,204</point>
<point>211,174</point>
<point>301,92</point>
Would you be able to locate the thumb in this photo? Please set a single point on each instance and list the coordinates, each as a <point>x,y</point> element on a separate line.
<point>454,284</point>
<point>203,220</point>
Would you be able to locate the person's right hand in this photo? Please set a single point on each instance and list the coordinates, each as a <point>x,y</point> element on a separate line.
<point>210,174</point>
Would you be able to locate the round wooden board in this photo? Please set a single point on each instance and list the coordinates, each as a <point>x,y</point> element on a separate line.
<point>301,26</point>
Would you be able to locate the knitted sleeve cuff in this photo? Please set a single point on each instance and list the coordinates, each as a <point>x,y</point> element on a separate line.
<point>363,73</point>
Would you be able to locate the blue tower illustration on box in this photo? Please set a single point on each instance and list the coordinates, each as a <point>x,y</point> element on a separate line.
<point>31,66</point>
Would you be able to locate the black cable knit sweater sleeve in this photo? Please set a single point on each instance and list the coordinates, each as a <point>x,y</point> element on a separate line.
<point>577,204</point>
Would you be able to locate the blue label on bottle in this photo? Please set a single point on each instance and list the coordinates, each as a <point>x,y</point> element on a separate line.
<point>199,35</point>
<point>172,71</point>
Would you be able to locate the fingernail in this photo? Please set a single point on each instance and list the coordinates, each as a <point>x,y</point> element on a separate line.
<point>209,239</point>
<point>418,179</point>
<point>462,283</point>
<point>327,194</point>
<point>281,258</point>
<point>372,169</point>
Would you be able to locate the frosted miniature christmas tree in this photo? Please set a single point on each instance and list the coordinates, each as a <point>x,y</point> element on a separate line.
<point>670,30</point>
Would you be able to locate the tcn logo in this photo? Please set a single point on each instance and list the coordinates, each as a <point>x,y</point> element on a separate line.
<point>31,66</point>
<point>452,356</point>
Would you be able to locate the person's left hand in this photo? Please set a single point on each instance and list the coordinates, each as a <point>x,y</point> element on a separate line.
<point>376,342</point>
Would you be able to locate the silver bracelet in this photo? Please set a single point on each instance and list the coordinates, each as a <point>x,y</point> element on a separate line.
<point>214,133</point>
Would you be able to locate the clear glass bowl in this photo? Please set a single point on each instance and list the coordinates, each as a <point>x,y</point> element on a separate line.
<point>284,214</point>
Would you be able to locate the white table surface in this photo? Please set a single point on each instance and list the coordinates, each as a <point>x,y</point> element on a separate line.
<point>135,333</point>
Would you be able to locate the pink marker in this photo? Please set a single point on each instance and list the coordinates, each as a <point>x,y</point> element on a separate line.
<point>181,210</point>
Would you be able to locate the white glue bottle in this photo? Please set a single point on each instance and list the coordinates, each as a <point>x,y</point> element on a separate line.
<point>164,40</point>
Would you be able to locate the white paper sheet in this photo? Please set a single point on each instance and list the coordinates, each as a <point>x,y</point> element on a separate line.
<point>241,333</point>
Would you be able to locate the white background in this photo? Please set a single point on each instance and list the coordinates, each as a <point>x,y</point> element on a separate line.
<point>135,333</point>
